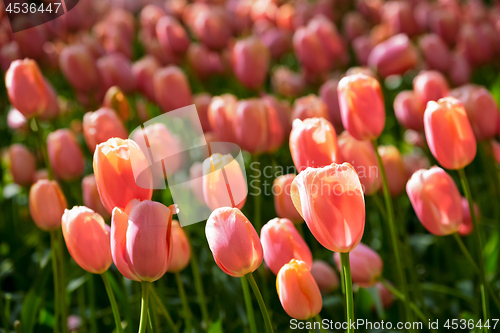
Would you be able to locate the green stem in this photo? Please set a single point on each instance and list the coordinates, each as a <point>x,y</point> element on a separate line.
<point>346,277</point>
<point>112,300</point>
<point>43,147</point>
<point>479,247</point>
<point>163,309</point>
<point>62,281</point>
<point>144,306</point>
<point>392,230</point>
<point>3,311</point>
<point>311,330</point>
<point>248,305</point>
<point>318,319</point>
<point>185,304</point>
<point>258,196</point>
<point>199,287</point>
<point>153,318</point>
<point>93,322</point>
<point>55,272</point>
<point>260,300</point>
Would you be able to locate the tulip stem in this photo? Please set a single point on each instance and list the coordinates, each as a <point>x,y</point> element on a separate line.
<point>248,305</point>
<point>112,300</point>
<point>43,148</point>
<point>144,306</point>
<point>346,277</point>
<point>392,230</point>
<point>260,300</point>
<point>479,247</point>
<point>257,196</point>
<point>185,304</point>
<point>62,280</point>
<point>199,287</point>
<point>163,309</point>
<point>318,319</point>
<point>55,272</point>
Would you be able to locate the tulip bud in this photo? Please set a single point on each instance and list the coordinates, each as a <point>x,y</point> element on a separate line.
<point>251,125</point>
<point>398,15</point>
<point>181,250</point>
<point>281,243</point>
<point>361,155</point>
<point>250,61</point>
<point>141,240</point>
<point>47,204</point>
<point>65,155</point>
<point>172,35</point>
<point>408,110</point>
<point>445,23</point>
<point>233,241</point>
<point>429,86</point>
<point>121,173</point>
<point>329,96</point>
<point>459,70</point>
<point>116,100</point>
<point>325,276</point>
<point>362,47</point>
<point>203,61</point>
<point>467,226</point>
<point>282,200</point>
<point>221,173</point>
<point>414,161</point>
<point>361,106</point>
<point>481,108</point>
<point>298,292</point>
<point>212,27</point>
<point>115,70</point>
<point>79,68</point>
<point>310,106</point>
<point>287,83</point>
<point>436,53</point>
<point>91,197</point>
<point>172,89</point>
<point>144,70</point>
<point>313,143</point>
<point>366,265</point>
<point>87,238</point>
<point>449,134</point>
<point>26,87</point>
<point>436,200</point>
<point>22,164</point>
<point>101,125</point>
<point>337,217</point>
<point>394,168</point>
<point>277,41</point>
<point>354,25</point>
<point>396,55</point>
<point>221,116</point>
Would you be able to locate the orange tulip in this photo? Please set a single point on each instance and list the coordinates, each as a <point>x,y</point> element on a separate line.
<point>282,200</point>
<point>310,106</point>
<point>298,292</point>
<point>324,275</point>
<point>181,250</point>
<point>79,67</point>
<point>65,155</point>
<point>47,204</point>
<point>100,126</point>
<point>366,265</point>
<point>91,197</point>
<point>408,110</point>
<point>250,61</point>
<point>429,86</point>
<point>395,169</point>
<point>116,100</point>
<point>22,164</point>
<point>221,116</point>
<point>121,173</point>
<point>172,89</point>
<point>331,201</point>
<point>144,70</point>
<point>393,56</point>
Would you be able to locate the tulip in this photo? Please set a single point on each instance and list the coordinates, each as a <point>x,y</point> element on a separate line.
<point>366,265</point>
<point>233,241</point>
<point>337,218</point>
<point>313,143</point>
<point>203,61</point>
<point>221,116</point>
<point>65,155</point>
<point>250,61</point>
<point>414,161</point>
<point>429,86</point>
<point>362,47</point>
<point>91,197</point>
<point>26,87</point>
<point>324,275</point>
<point>9,52</point>
<point>149,17</point>
<point>408,110</point>
<point>16,120</point>
<point>141,240</point>
<point>52,108</point>
<point>121,173</point>
<point>310,106</point>
<point>172,89</point>
<point>22,164</point>
<point>361,106</point>
<point>144,70</point>
<point>287,83</point>
<point>398,16</point>
<point>449,134</point>
<point>181,250</point>
<point>202,102</point>
<point>224,184</point>
<point>100,126</point>
<point>396,55</point>
<point>172,35</point>
<point>115,70</point>
<point>386,297</point>
<point>298,292</point>
<point>212,27</point>
<point>354,25</point>
<point>79,68</point>
<point>116,100</point>
<point>436,201</point>
<point>436,53</point>
<point>282,200</point>
<point>277,41</point>
<point>481,108</point>
<point>329,96</point>
<point>282,109</point>
<point>251,125</point>
<point>459,70</point>
<point>496,150</point>
<point>467,227</point>
<point>87,238</point>
<point>281,243</point>
<point>445,23</point>
<point>394,168</point>
<point>47,204</point>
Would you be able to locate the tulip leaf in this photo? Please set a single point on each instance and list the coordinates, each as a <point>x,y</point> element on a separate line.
<point>377,301</point>
<point>216,327</point>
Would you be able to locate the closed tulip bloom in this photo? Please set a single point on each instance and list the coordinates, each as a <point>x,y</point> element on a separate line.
<point>282,198</point>
<point>281,243</point>
<point>361,106</point>
<point>481,108</point>
<point>91,197</point>
<point>395,55</point>
<point>361,155</point>
<point>144,70</point>
<point>325,276</point>
<point>116,100</point>
<point>310,106</point>
<point>408,110</point>
<point>212,27</point>
<point>116,70</point>
<point>26,87</point>
<point>216,169</point>
<point>282,108</point>
<point>297,290</point>
<point>47,204</point>
<point>429,86</point>
<point>172,35</point>
<point>102,125</point>
<point>221,116</point>
<point>203,61</point>
<point>79,67</point>
<point>366,265</point>
<point>354,25</point>
<point>286,82</point>
<point>87,238</point>
<point>313,143</point>
<point>251,125</point>
<point>449,134</point>
<point>467,227</point>
<point>121,173</point>
<point>233,241</point>
<point>172,89</point>
<point>141,240</point>
<point>362,46</point>
<point>445,23</point>
<point>460,70</point>
<point>22,164</point>
<point>250,61</point>
<point>436,201</point>
<point>65,155</point>
<point>398,15</point>
<point>331,201</point>
<point>181,250</point>
<point>329,96</point>
<point>414,161</point>
<point>149,17</point>
<point>436,53</point>
<point>395,169</point>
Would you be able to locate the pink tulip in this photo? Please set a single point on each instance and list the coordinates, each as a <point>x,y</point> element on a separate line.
<point>91,197</point>
<point>22,164</point>
<point>172,35</point>
<point>325,276</point>
<point>366,265</point>
<point>52,108</point>
<point>459,70</point>
<point>202,102</point>
<point>414,161</point>
<point>396,55</point>
<point>445,23</point>
<point>65,155</point>
<point>47,204</point>
<point>141,240</point>
<point>286,82</point>
<point>116,70</point>
<point>282,200</point>
<point>221,116</point>
<point>429,86</point>
<point>329,96</point>
<point>354,25</point>
<point>144,70</point>
<point>9,52</point>
<point>394,168</point>
<point>250,61</point>
<point>181,250</point>
<point>283,111</point>
<point>386,297</point>
<point>436,201</point>
<point>408,110</point>
<point>233,241</point>
<point>149,17</point>
<point>172,89</point>
<point>203,61</point>
<point>362,47</point>
<point>212,27</point>
<point>398,15</point>
<point>436,53</point>
<point>310,106</point>
<point>79,68</point>
<point>87,238</point>
<point>467,227</point>
<point>277,41</point>
<point>101,125</point>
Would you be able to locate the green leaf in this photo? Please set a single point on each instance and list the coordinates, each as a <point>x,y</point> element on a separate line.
<point>216,327</point>
<point>374,293</point>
